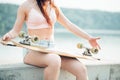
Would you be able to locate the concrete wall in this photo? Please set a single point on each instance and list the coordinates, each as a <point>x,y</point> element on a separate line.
<point>104,72</point>
<point>26,72</point>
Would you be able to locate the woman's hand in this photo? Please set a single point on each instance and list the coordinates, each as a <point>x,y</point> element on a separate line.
<point>93,42</point>
<point>7,37</point>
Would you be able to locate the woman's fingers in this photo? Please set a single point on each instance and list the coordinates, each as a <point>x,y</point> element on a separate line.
<point>93,42</point>
<point>6,37</point>
<point>97,38</point>
<point>98,46</point>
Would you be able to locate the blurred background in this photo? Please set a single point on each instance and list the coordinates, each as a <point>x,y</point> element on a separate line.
<point>100,18</point>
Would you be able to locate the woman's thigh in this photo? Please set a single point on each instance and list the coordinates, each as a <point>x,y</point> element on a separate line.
<point>72,65</point>
<point>41,59</point>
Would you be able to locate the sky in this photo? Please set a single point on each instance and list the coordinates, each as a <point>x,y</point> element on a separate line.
<point>104,5</point>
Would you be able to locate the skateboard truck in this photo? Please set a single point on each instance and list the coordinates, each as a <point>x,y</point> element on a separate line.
<point>27,39</point>
<point>88,51</point>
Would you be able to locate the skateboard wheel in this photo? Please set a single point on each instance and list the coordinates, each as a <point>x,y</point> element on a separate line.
<point>22,34</point>
<point>94,50</point>
<point>79,45</point>
<point>34,39</point>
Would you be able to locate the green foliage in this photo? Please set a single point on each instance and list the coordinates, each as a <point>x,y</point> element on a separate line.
<point>93,19</point>
<point>8,13</point>
<point>83,18</point>
<point>7,17</point>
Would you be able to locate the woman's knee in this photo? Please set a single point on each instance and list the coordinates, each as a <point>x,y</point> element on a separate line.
<point>82,70</point>
<point>54,60</point>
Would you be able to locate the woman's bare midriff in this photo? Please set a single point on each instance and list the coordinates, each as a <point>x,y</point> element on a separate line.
<point>42,34</point>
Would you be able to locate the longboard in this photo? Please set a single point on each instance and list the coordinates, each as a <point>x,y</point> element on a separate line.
<point>45,50</point>
<point>27,40</point>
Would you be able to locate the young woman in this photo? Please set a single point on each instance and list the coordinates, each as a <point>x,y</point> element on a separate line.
<point>40,17</point>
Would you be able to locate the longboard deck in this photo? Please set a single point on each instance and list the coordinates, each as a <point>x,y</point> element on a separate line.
<point>45,50</point>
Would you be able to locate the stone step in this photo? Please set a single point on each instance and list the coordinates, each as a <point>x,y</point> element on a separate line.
<point>21,71</point>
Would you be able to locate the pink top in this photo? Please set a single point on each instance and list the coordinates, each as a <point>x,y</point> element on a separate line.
<point>37,21</point>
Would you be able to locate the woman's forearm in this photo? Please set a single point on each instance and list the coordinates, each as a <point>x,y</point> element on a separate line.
<point>79,32</point>
<point>13,33</point>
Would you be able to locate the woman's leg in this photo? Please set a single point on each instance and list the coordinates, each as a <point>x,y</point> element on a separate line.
<point>51,62</point>
<point>75,67</point>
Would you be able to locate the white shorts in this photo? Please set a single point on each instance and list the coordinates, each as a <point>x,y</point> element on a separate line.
<point>44,43</point>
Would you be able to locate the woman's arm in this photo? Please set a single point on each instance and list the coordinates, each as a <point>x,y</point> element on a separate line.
<point>76,30</point>
<point>72,27</point>
<point>17,26</point>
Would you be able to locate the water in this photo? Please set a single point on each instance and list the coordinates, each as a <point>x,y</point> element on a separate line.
<point>109,42</point>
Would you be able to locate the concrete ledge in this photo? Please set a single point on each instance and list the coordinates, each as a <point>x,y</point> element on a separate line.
<point>22,71</point>
<point>104,72</point>
<point>26,72</point>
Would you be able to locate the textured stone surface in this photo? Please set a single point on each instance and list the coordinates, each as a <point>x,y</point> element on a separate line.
<point>27,72</point>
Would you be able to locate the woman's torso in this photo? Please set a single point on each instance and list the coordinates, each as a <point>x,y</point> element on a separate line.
<point>37,24</point>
